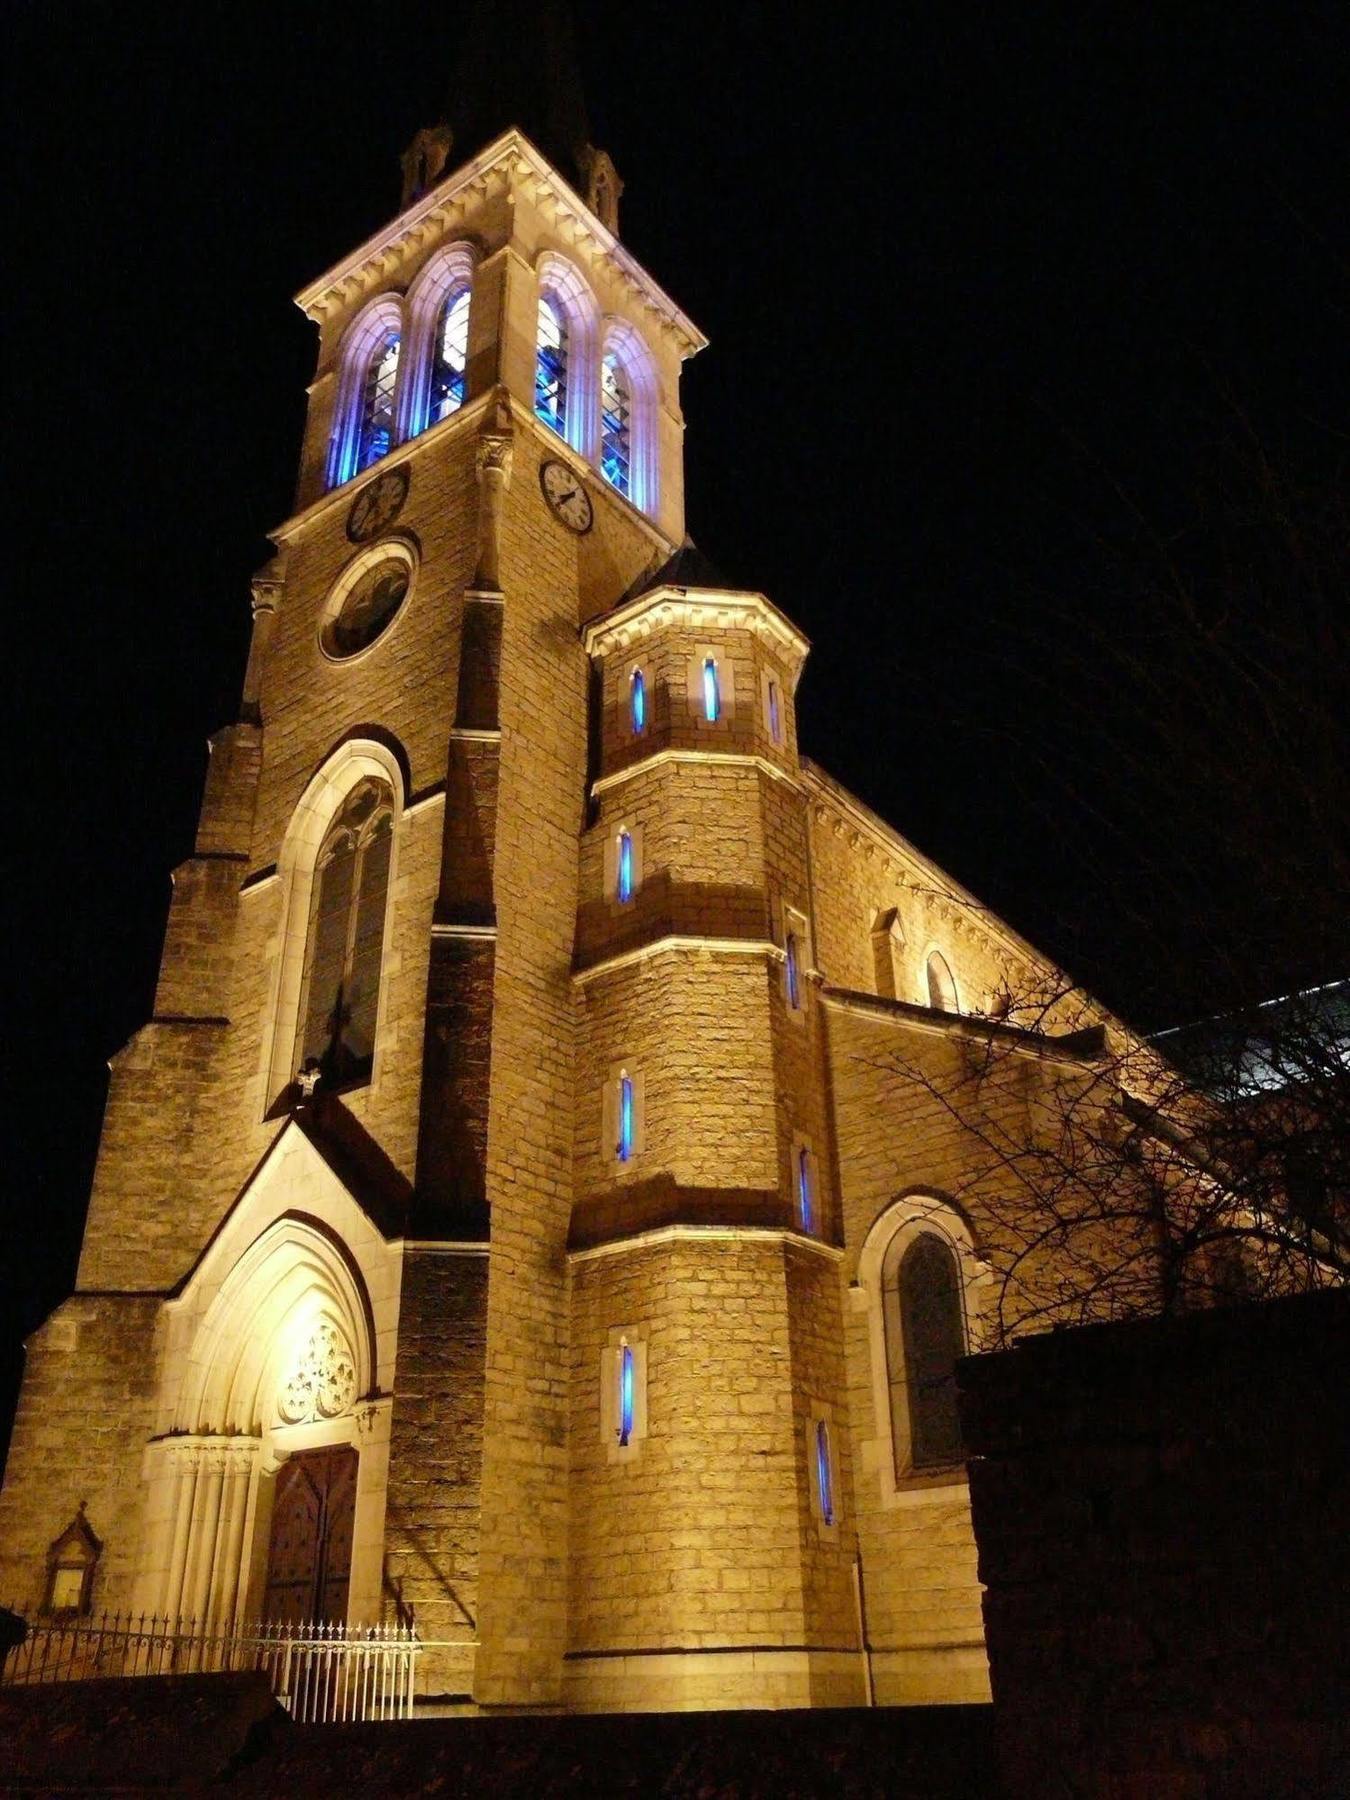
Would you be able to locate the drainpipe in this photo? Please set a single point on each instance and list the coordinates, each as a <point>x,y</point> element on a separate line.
<point>861,1614</point>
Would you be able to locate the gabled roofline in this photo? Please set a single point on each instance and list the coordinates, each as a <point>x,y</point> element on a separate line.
<point>508,154</point>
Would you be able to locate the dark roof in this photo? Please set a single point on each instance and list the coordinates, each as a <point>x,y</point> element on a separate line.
<point>688,568</point>
<point>517,65</point>
<point>1278,1045</point>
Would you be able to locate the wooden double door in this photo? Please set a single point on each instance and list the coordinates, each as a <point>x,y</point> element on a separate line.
<point>309,1558</point>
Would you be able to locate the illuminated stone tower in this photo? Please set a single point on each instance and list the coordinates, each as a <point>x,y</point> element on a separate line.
<point>503,1220</point>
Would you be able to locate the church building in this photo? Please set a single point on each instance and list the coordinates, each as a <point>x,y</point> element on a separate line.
<point>511,1220</point>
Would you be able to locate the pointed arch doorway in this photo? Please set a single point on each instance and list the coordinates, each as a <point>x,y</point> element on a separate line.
<point>309,1558</point>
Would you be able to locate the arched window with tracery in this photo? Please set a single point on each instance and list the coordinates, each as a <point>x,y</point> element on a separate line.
<point>366,413</point>
<point>375,425</point>
<point>925,1335</point>
<point>436,352</point>
<point>345,942</point>
<point>449,357</point>
<point>616,425</point>
<point>941,986</point>
<point>628,414</point>
<point>550,365</point>
<point>567,355</point>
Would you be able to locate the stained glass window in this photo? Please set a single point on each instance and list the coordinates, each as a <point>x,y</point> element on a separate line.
<point>550,366</point>
<point>806,1205</point>
<point>346,940</point>
<point>775,717</point>
<point>375,431</point>
<point>626,1393</point>
<point>824,1474</point>
<point>624,1148</point>
<point>637,701</point>
<point>794,980</point>
<point>616,425</point>
<point>450,356</point>
<point>925,1334</point>
<point>625,861</point>
<point>712,693</point>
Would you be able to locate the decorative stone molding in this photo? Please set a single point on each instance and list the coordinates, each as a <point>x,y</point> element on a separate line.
<point>322,1380</point>
<point>510,161</point>
<point>698,610</point>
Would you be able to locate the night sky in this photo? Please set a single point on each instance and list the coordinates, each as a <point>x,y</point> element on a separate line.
<point>976,287</point>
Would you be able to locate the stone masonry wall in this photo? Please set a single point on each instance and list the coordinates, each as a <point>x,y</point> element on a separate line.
<point>435,1459</point>
<point>84,1416</point>
<point>523,1579</point>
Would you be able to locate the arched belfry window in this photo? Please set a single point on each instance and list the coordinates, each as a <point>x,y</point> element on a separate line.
<point>375,423</point>
<point>925,1334</point>
<point>628,414</point>
<point>449,357</point>
<point>436,355</point>
<point>366,414</point>
<point>941,986</point>
<point>616,425</point>
<point>567,355</point>
<point>345,942</point>
<point>550,366</point>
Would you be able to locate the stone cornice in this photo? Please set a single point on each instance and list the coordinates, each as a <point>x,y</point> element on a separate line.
<point>511,160</point>
<point>1074,1047</point>
<point>695,609</point>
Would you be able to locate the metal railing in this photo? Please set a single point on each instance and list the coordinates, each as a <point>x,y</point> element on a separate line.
<point>318,1672</point>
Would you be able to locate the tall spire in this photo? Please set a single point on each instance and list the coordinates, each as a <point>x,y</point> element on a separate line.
<point>516,64</point>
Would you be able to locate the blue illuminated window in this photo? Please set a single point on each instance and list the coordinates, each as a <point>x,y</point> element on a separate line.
<point>794,980</point>
<point>550,366</point>
<point>806,1208</point>
<point>450,356</point>
<point>624,884</point>
<point>824,1475</point>
<point>626,1393</point>
<point>775,717</point>
<point>637,701</point>
<point>616,425</point>
<point>375,429</point>
<point>712,692</point>
<point>624,1148</point>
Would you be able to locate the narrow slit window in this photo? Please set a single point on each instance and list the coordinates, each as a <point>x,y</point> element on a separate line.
<point>824,1475</point>
<point>637,702</point>
<point>624,885</point>
<point>550,366</point>
<point>375,434</point>
<point>450,357</point>
<point>616,425</point>
<point>806,1206</point>
<point>627,1386</point>
<point>712,692</point>
<point>624,1148</point>
<point>775,717</point>
<point>794,979</point>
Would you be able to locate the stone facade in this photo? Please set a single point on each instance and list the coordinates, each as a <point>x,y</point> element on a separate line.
<point>467,1228</point>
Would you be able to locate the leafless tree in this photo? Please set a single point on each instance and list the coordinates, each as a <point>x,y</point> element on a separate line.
<point>1211,1161</point>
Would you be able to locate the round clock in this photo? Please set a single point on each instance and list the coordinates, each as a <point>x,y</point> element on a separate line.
<point>377,505</point>
<point>566,496</point>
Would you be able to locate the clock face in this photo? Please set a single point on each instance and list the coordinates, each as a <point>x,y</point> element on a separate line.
<point>377,505</point>
<point>566,496</point>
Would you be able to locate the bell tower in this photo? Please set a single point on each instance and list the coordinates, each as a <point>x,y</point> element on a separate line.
<point>470,1185</point>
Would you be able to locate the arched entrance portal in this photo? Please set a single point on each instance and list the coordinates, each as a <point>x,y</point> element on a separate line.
<point>258,1490</point>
